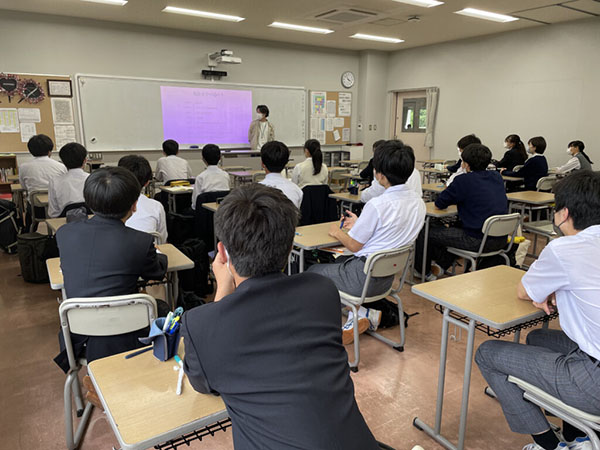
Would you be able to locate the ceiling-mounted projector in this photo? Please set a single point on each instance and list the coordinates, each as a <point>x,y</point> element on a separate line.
<point>223,57</point>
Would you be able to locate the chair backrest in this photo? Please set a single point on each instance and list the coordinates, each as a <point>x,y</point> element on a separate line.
<point>546,183</point>
<point>34,198</point>
<point>317,206</point>
<point>385,263</point>
<point>449,162</point>
<point>362,166</point>
<point>501,225</point>
<point>104,316</point>
<point>517,168</point>
<point>336,174</point>
<point>157,237</point>
<point>258,176</point>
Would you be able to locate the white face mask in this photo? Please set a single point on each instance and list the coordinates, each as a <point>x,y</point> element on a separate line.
<point>569,151</point>
<point>530,151</point>
<point>259,116</point>
<point>507,146</point>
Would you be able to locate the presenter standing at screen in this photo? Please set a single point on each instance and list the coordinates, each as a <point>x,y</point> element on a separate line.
<point>261,130</point>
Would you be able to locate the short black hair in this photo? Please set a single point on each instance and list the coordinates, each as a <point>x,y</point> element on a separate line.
<point>539,143</point>
<point>73,155</point>
<point>376,144</point>
<point>477,156</point>
<point>465,141</point>
<point>394,160</point>
<point>138,166</point>
<point>40,145</point>
<point>170,147</point>
<point>263,109</point>
<point>580,194</point>
<point>257,225</point>
<point>580,145</point>
<point>211,154</point>
<point>275,155</point>
<point>111,192</point>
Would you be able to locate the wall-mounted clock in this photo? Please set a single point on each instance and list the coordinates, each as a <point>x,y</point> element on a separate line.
<point>8,85</point>
<point>31,91</point>
<point>348,79</point>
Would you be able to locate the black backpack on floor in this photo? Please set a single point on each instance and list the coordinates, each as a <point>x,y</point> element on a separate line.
<point>195,280</point>
<point>10,226</point>
<point>34,249</point>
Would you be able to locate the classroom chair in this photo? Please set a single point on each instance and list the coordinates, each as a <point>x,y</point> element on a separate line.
<point>383,263</point>
<point>317,206</point>
<point>494,226</point>
<point>362,166</point>
<point>579,419</point>
<point>37,208</point>
<point>101,316</point>
<point>544,184</point>
<point>337,183</point>
<point>517,168</point>
<point>204,219</point>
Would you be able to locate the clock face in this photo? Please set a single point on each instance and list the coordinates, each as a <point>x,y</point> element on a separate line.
<point>31,91</point>
<point>348,79</point>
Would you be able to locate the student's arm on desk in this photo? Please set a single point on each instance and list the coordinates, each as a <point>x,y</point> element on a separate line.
<point>191,363</point>
<point>155,265</point>
<point>360,227</point>
<point>449,196</point>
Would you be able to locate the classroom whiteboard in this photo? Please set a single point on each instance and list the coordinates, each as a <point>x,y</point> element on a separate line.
<point>122,113</point>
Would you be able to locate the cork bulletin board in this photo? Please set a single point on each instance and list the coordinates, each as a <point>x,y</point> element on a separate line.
<point>330,117</point>
<point>35,104</point>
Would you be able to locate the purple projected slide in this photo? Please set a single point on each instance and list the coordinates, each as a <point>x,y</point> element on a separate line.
<point>202,116</point>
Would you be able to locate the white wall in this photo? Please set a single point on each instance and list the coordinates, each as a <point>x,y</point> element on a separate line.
<point>62,45</point>
<point>538,81</point>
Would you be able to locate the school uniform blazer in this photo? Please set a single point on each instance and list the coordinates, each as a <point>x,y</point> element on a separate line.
<point>511,159</point>
<point>534,168</point>
<point>102,257</point>
<point>273,351</point>
<point>254,131</point>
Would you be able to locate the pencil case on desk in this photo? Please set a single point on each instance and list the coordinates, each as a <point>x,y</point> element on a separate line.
<point>165,345</point>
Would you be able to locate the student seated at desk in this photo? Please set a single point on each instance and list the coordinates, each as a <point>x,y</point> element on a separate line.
<point>462,144</point>
<point>563,363</point>
<point>478,193</point>
<point>515,154</point>
<point>274,155</point>
<point>213,178</point>
<point>35,175</point>
<point>534,168</point>
<point>376,189</point>
<point>286,385</point>
<point>388,221</point>
<point>149,215</point>
<point>102,257</point>
<point>367,172</point>
<point>172,167</point>
<point>67,189</point>
<point>311,171</point>
<point>579,159</point>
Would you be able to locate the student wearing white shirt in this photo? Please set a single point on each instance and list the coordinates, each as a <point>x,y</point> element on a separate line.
<point>148,215</point>
<point>564,363</point>
<point>172,167</point>
<point>388,221</point>
<point>213,178</point>
<point>35,175</point>
<point>462,144</point>
<point>579,159</point>
<point>376,189</point>
<point>67,189</point>
<point>274,156</point>
<point>261,130</point>
<point>311,171</point>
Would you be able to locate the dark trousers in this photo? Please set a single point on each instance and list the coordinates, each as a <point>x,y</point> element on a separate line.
<point>441,237</point>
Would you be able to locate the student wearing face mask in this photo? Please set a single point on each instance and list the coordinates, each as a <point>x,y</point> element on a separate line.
<point>534,168</point>
<point>578,160</point>
<point>461,145</point>
<point>261,130</point>
<point>515,154</point>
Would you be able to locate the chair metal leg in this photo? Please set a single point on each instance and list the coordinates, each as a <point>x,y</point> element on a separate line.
<point>396,345</point>
<point>354,365</point>
<point>76,387</point>
<point>74,438</point>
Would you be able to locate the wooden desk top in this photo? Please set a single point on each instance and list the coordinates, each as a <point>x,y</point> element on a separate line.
<point>245,173</point>
<point>433,187</point>
<point>432,170</point>
<point>338,168</point>
<point>507,178</point>
<point>531,197</point>
<point>139,397</point>
<point>12,178</point>
<point>43,199</point>
<point>432,211</point>
<point>315,236</point>
<point>176,261</point>
<point>57,222</point>
<point>432,161</point>
<point>16,187</point>
<point>234,168</point>
<point>489,296</point>
<point>352,161</point>
<point>177,189</point>
<point>213,206</point>
<point>346,197</point>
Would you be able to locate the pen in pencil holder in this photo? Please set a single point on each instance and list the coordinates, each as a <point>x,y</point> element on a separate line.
<point>165,343</point>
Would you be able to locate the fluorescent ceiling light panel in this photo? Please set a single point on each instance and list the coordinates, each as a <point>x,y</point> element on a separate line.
<point>425,3</point>
<point>204,14</point>
<point>290,26</point>
<point>370,37</point>
<point>480,14</point>
<point>108,2</point>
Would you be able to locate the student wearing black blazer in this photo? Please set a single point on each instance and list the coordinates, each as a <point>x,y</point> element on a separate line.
<point>515,154</point>
<point>534,168</point>
<point>271,344</point>
<point>367,172</point>
<point>102,257</point>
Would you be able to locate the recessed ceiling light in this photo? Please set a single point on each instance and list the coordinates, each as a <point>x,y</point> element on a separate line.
<point>108,2</point>
<point>205,14</point>
<point>480,14</point>
<point>425,3</point>
<point>370,37</point>
<point>290,26</point>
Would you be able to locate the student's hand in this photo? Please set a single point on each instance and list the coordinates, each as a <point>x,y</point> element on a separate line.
<point>225,282</point>
<point>502,169</point>
<point>548,305</point>
<point>349,220</point>
<point>334,229</point>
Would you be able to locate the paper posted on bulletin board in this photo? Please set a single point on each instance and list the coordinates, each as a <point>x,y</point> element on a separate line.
<point>330,117</point>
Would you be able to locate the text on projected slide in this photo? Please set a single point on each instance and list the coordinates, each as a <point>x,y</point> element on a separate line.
<point>202,116</point>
